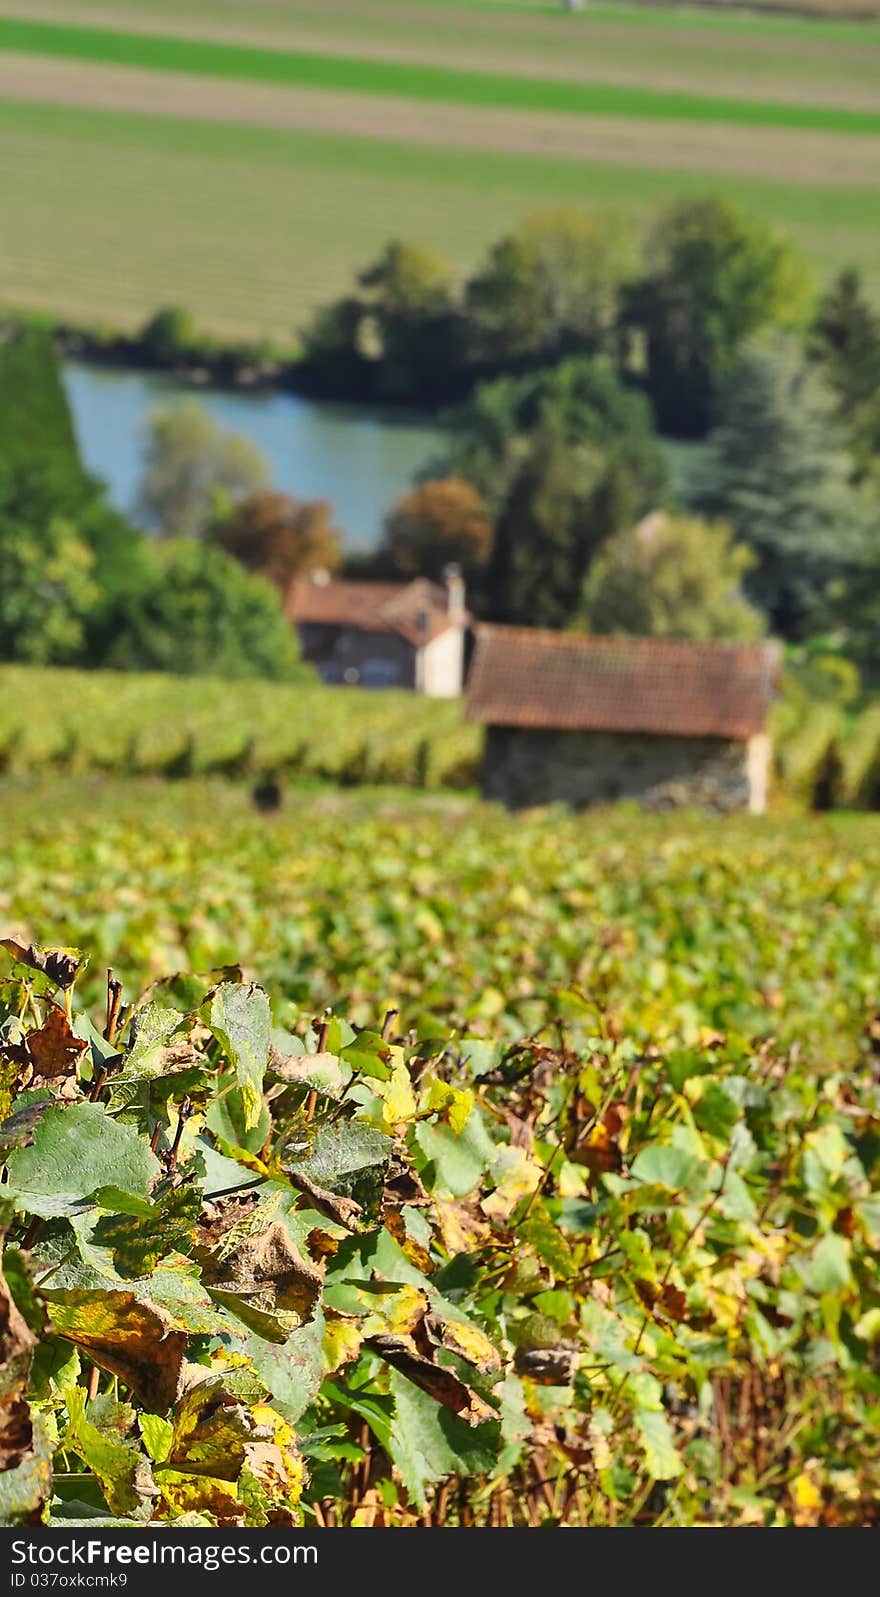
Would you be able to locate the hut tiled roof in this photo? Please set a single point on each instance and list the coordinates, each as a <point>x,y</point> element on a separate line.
<point>418,611</point>
<point>522,677</point>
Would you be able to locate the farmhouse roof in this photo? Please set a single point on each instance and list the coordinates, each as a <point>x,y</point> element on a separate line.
<point>418,611</point>
<point>521,677</point>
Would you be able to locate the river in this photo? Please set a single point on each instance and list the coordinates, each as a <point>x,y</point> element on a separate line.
<point>359,458</point>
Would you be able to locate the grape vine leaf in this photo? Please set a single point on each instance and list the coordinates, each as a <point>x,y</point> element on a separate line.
<point>74,1152</point>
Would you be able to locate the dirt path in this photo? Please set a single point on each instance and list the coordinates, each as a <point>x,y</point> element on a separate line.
<point>634,142</point>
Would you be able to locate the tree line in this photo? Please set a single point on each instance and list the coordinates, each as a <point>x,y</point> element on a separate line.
<point>555,490</point>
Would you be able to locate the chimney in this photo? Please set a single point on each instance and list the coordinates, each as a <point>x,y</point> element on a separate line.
<point>455,594</point>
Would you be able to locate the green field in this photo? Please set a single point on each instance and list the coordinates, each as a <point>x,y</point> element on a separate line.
<point>456,911</point>
<point>564,1211</point>
<point>247,161</point>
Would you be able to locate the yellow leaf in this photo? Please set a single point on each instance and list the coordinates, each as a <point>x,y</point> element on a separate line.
<point>399,1313</point>
<point>516,1176</point>
<point>342,1343</point>
<point>807,1500</point>
<point>183,1494</point>
<point>452,1104</point>
<point>471,1343</point>
<point>400,1102</point>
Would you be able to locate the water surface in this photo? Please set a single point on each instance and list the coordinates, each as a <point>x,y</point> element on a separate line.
<point>361,459</point>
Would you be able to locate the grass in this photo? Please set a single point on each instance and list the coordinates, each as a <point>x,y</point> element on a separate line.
<point>825,20</point>
<point>416,81</point>
<point>108,214</point>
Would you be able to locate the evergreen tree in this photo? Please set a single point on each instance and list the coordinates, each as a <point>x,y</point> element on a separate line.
<point>35,417</point>
<point>846,344</point>
<point>778,475</point>
<point>846,341</point>
<point>550,526</point>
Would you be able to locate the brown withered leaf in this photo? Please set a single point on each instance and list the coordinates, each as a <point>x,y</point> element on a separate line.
<point>132,1339</point>
<point>17,1344</point>
<point>296,1068</point>
<point>415,1252</point>
<point>343,1210</point>
<point>54,1051</point>
<point>321,1244</point>
<point>599,1150</point>
<point>440,1383</point>
<point>547,1366</point>
<point>403,1186</point>
<point>268,1268</point>
<point>219,1215</point>
<point>61,965</point>
<point>668,1302</point>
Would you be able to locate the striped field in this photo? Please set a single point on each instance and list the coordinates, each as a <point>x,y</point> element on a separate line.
<point>245,159</point>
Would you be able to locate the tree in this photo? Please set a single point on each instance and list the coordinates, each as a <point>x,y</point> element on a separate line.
<point>672,578</point>
<point>550,526</point>
<point>201,615</point>
<point>845,342</point>
<point>400,336</point>
<point>712,278</point>
<point>43,491</point>
<point>280,537</point>
<point>35,417</point>
<point>47,592</point>
<point>193,470</point>
<point>169,335</point>
<point>589,410</point>
<point>439,523</point>
<point>550,288</point>
<point>777,474</point>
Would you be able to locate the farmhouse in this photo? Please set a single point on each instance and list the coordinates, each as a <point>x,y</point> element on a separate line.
<point>588,720</point>
<point>384,634</point>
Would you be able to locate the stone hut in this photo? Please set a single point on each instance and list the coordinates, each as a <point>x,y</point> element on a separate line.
<point>585,720</point>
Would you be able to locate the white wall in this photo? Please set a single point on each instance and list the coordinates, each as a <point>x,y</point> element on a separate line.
<point>440,665</point>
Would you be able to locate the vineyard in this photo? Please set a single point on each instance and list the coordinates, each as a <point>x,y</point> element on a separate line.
<point>492,1174</point>
<point>132,725</point>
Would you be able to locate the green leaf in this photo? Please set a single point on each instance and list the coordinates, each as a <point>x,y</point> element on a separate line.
<point>716,1112</point>
<point>661,1458</point>
<point>364,1056</point>
<point>121,1468</point>
<point>458,1161</point>
<point>343,1151</point>
<point>138,1242</point>
<point>152,1030</point>
<point>669,1167</point>
<point>227,1118</point>
<point>293,1370</point>
<point>427,1442</point>
<point>829,1264</point>
<point>548,1242</point>
<point>25,1491</point>
<point>158,1435</point>
<point>241,1021</point>
<point>75,1152</point>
